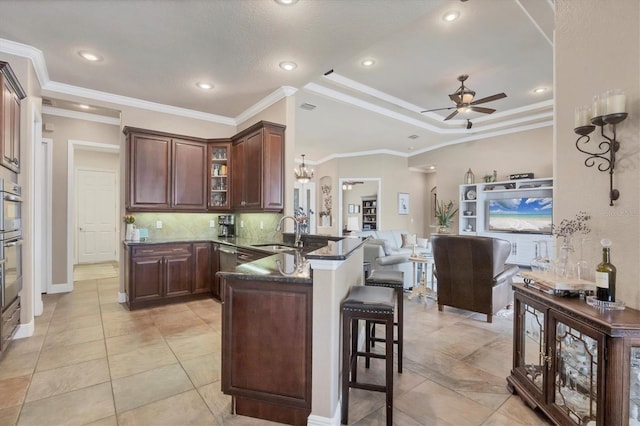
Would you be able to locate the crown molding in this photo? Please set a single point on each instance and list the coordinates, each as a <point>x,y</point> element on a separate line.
<point>277,95</point>
<point>35,55</point>
<point>61,112</point>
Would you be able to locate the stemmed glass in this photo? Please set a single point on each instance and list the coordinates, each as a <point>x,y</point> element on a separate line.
<point>541,262</point>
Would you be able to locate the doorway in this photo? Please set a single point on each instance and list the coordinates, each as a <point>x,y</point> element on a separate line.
<point>368,187</point>
<point>97,212</point>
<point>304,200</point>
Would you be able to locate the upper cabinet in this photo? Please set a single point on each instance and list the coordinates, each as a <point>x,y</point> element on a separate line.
<point>12,94</point>
<point>219,175</point>
<point>257,164</point>
<point>165,172</point>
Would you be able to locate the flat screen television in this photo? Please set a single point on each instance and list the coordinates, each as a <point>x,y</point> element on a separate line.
<point>522,215</point>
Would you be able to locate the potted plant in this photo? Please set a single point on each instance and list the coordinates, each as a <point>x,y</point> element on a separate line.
<point>445,211</point>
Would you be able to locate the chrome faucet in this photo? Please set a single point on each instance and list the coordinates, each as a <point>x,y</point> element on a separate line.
<point>296,227</point>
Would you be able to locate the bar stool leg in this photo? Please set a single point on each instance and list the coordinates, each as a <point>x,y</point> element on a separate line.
<point>400,311</point>
<point>389,369</point>
<point>346,367</point>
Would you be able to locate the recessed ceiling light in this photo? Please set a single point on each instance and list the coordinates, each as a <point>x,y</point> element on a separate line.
<point>286,2</point>
<point>83,106</point>
<point>368,62</point>
<point>451,16</point>
<point>539,90</point>
<point>90,56</point>
<point>204,85</point>
<point>431,167</point>
<point>288,65</point>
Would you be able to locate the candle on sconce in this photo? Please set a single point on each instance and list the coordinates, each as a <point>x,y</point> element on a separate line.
<point>582,116</point>
<point>616,102</point>
<point>599,104</point>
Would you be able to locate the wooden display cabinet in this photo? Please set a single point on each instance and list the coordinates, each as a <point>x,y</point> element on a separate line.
<point>579,365</point>
<point>219,175</point>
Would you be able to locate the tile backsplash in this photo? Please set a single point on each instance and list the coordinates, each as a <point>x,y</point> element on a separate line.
<point>255,226</point>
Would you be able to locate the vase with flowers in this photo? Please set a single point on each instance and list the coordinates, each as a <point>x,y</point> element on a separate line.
<point>130,229</point>
<point>445,211</point>
<point>565,231</point>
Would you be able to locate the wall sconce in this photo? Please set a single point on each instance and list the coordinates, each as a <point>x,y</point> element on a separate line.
<point>303,174</point>
<point>608,109</point>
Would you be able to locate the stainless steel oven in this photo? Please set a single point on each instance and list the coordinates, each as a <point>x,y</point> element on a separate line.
<point>11,209</point>
<point>11,267</point>
<point>10,242</point>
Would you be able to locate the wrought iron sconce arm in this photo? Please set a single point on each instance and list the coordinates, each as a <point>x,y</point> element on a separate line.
<point>606,156</point>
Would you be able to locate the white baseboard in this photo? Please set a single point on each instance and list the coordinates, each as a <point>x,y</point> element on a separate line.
<point>314,420</point>
<point>122,297</point>
<point>60,288</point>
<point>25,330</point>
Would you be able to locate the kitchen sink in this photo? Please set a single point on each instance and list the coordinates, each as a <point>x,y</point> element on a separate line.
<point>274,247</point>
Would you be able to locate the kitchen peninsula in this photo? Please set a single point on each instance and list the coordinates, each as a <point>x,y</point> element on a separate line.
<point>281,332</point>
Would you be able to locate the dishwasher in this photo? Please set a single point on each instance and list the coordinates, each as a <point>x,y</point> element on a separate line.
<point>228,258</point>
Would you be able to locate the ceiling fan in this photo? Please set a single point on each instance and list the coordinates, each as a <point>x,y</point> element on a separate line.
<point>463,101</point>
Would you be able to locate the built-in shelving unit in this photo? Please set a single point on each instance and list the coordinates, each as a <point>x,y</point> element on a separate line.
<point>369,213</point>
<point>473,213</point>
<point>219,189</point>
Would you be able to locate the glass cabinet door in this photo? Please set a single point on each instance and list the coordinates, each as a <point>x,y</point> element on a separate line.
<point>634,387</point>
<point>577,370</point>
<point>219,178</point>
<point>529,360</point>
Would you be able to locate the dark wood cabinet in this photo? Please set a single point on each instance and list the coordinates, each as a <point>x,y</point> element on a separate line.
<point>156,273</point>
<point>258,168</point>
<point>203,267</point>
<point>578,364</point>
<point>271,321</point>
<point>165,172</point>
<point>216,286</point>
<point>189,175</point>
<point>12,94</point>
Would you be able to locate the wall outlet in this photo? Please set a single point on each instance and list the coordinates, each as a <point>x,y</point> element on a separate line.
<point>158,224</point>
<point>212,224</point>
<point>261,225</point>
<point>242,224</point>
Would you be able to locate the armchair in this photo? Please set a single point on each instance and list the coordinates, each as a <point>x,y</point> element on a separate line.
<point>472,273</point>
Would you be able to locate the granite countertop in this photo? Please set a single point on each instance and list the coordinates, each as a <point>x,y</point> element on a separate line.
<point>334,250</point>
<point>287,266</point>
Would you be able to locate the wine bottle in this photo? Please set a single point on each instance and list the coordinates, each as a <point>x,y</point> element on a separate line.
<point>606,275</point>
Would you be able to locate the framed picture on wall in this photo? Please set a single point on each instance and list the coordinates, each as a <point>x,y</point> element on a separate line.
<point>403,203</point>
<point>352,208</point>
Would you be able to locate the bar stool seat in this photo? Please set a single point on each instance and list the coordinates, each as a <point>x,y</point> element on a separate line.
<point>394,280</point>
<point>368,304</point>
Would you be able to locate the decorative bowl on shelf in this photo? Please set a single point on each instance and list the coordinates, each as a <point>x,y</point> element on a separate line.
<point>601,304</point>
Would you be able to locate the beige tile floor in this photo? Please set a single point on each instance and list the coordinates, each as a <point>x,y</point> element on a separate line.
<point>93,362</point>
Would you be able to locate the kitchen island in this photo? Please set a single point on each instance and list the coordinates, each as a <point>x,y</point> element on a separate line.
<point>281,332</point>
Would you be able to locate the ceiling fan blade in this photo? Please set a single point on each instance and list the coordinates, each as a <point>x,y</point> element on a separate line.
<point>450,116</point>
<point>482,109</point>
<point>436,109</point>
<point>489,99</point>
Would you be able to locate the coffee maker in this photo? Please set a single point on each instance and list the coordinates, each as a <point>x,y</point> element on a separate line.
<point>226,225</point>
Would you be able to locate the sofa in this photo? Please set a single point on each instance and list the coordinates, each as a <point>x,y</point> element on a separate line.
<point>390,250</point>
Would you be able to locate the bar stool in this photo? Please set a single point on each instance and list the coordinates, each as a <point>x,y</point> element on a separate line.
<point>394,280</point>
<point>368,304</point>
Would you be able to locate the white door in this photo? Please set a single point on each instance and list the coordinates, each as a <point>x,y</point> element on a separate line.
<point>304,195</point>
<point>96,216</point>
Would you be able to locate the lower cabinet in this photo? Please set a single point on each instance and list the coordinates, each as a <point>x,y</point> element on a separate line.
<point>579,365</point>
<point>266,348</point>
<point>165,273</point>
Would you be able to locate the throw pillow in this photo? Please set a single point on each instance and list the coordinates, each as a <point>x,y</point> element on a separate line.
<point>409,240</point>
<point>423,242</point>
<point>384,243</point>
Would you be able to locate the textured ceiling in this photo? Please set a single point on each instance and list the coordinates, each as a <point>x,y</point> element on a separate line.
<point>157,50</point>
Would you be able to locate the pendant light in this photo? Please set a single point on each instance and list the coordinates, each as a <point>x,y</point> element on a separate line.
<point>303,174</point>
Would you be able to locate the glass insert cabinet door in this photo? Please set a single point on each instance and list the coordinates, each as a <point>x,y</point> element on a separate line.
<point>634,386</point>
<point>530,360</point>
<point>577,367</point>
<point>219,179</point>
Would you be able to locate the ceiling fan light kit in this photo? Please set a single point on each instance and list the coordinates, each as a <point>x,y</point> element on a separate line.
<point>463,100</point>
<point>609,108</point>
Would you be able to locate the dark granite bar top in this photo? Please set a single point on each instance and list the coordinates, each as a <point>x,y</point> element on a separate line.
<point>283,267</point>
